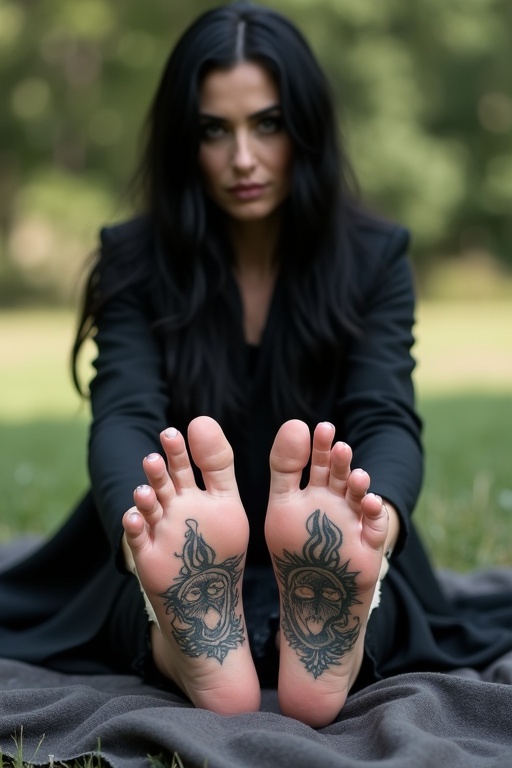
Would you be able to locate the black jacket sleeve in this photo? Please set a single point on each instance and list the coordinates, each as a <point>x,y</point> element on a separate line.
<point>376,400</point>
<point>129,400</point>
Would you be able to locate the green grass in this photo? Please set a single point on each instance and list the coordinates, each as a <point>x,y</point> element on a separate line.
<point>464,347</point>
<point>18,758</point>
<point>465,510</point>
<point>464,381</point>
<point>42,473</point>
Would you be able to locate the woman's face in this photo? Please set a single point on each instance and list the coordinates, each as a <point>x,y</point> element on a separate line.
<point>245,154</point>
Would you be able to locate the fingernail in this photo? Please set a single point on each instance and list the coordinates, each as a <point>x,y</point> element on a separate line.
<point>170,433</point>
<point>134,517</point>
<point>327,424</point>
<point>142,489</point>
<point>152,457</point>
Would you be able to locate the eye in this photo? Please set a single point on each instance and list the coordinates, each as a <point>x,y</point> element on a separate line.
<point>215,589</point>
<point>304,592</point>
<point>270,124</point>
<point>211,130</point>
<point>330,594</point>
<point>192,595</point>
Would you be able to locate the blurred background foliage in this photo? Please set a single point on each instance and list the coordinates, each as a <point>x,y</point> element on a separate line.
<point>423,88</point>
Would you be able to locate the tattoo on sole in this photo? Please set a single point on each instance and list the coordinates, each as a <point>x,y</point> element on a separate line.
<point>203,599</point>
<point>317,594</point>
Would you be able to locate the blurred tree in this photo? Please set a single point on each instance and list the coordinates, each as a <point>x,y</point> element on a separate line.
<point>423,88</point>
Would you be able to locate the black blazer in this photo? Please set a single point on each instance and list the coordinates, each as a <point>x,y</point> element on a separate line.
<point>370,398</point>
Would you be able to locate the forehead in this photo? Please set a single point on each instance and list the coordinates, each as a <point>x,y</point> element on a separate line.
<point>242,90</point>
<point>315,577</point>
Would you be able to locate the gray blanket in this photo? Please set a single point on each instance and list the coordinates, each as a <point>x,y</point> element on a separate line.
<point>461,720</point>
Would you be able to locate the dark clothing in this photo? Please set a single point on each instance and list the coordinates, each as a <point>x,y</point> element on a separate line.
<point>71,608</point>
<point>369,398</point>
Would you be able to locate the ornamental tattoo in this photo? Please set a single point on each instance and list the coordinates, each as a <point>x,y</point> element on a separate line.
<point>203,599</point>
<point>317,595</point>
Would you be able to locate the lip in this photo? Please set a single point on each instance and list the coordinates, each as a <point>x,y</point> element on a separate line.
<point>247,191</point>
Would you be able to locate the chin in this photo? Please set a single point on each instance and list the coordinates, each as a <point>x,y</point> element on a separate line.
<point>251,212</point>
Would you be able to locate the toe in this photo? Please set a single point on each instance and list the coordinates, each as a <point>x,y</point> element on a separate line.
<point>158,477</point>
<point>288,457</point>
<point>341,456</point>
<point>213,455</point>
<point>358,483</point>
<point>135,529</point>
<point>147,504</point>
<point>375,521</point>
<point>178,460</point>
<point>321,454</point>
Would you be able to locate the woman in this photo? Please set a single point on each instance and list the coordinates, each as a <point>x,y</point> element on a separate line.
<point>252,304</point>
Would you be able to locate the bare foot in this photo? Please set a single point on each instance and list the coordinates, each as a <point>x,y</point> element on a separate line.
<point>189,549</point>
<point>326,543</point>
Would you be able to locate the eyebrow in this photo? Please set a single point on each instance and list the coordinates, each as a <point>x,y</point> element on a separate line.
<point>254,116</point>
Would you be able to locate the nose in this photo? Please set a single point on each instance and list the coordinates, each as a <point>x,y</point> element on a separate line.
<point>243,154</point>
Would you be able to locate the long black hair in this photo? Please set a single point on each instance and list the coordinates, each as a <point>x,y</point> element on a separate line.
<point>189,263</point>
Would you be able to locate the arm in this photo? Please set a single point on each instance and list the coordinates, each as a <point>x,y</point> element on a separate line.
<point>376,406</point>
<point>129,403</point>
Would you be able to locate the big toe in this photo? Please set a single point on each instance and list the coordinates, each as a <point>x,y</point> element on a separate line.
<point>213,455</point>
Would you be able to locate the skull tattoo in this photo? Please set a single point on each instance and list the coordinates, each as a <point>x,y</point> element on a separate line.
<point>203,599</point>
<point>318,593</point>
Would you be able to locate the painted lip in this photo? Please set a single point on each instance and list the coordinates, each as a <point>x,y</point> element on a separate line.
<point>247,191</point>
